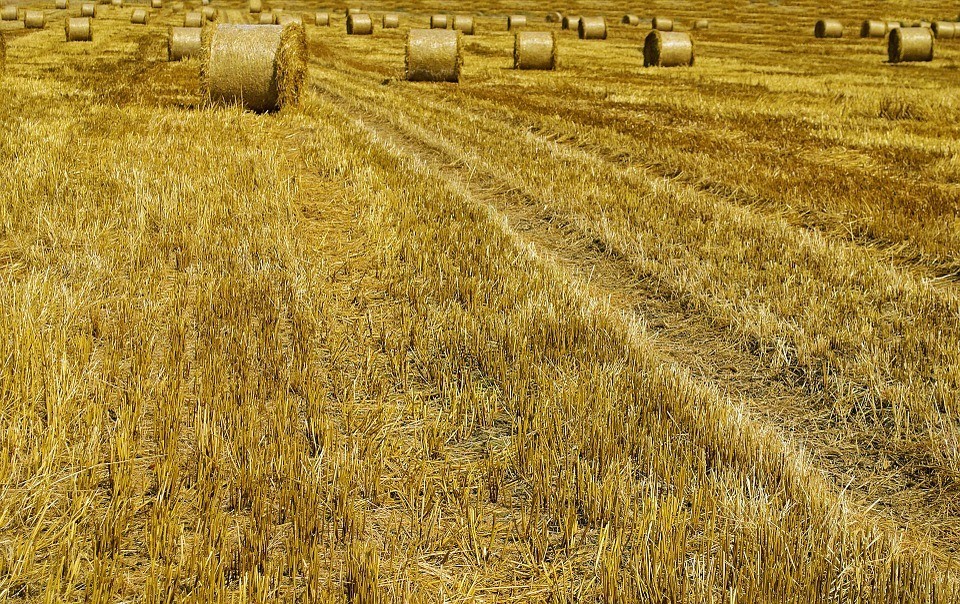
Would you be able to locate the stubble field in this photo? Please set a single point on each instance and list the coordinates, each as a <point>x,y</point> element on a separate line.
<point>605,333</point>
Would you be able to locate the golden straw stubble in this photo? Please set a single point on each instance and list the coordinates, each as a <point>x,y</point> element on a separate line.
<point>78,29</point>
<point>433,55</point>
<point>592,28</point>
<point>261,67</point>
<point>535,50</point>
<point>909,44</point>
<point>668,49</point>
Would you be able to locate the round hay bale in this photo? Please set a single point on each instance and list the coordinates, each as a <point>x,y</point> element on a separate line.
<point>88,9</point>
<point>259,67</point>
<point>322,19</point>
<point>209,13</point>
<point>9,13</point>
<point>828,28</point>
<point>633,20</point>
<point>662,24</point>
<point>139,16</point>
<point>515,21</point>
<point>256,6</point>
<point>892,25</point>
<point>554,17</point>
<point>158,4</point>
<point>907,44</point>
<point>183,43</point>
<point>117,3</point>
<point>290,20</point>
<point>390,21</point>
<point>78,29</point>
<point>193,19</point>
<point>569,22</point>
<point>267,18</point>
<point>34,19</point>
<point>535,50</point>
<point>433,55</point>
<point>944,30</point>
<point>438,22</point>
<point>873,29</point>
<point>359,24</point>
<point>464,24</point>
<point>62,4</point>
<point>667,49</point>
<point>701,24</point>
<point>592,28</point>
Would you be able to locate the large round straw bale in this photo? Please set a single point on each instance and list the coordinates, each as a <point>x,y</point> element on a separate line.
<point>438,22</point>
<point>390,21</point>
<point>464,24</point>
<point>139,16</point>
<point>828,28</point>
<point>359,24</point>
<point>322,19</point>
<point>554,17</point>
<point>630,20</point>
<point>62,4</point>
<point>592,28</point>
<point>183,43</point>
<point>873,29</point>
<point>34,19</point>
<point>535,50</point>
<point>193,19</point>
<point>569,22</point>
<point>662,24</point>
<point>701,24</point>
<point>9,13</point>
<point>209,13</point>
<point>267,18</point>
<point>88,9</point>
<point>944,30</point>
<point>260,67</point>
<point>910,44</point>
<point>256,6</point>
<point>433,55</point>
<point>290,20</point>
<point>78,29</point>
<point>514,21</point>
<point>667,49</point>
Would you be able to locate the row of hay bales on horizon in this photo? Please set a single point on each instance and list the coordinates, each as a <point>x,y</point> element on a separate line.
<point>906,42</point>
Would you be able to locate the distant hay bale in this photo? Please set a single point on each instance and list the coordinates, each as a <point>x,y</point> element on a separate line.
<point>433,55</point>
<point>285,20</point>
<point>34,19</point>
<point>352,11</point>
<point>267,18</point>
<point>515,21</point>
<point>62,4</point>
<point>554,17</point>
<point>630,20</point>
<point>209,13</point>
<point>117,3</point>
<point>701,24</point>
<point>922,24</point>
<point>873,29</point>
<point>88,9</point>
<point>662,24</point>
<point>438,22</point>
<point>569,22</point>
<point>908,44</point>
<point>667,49</point>
<point>359,24</point>
<point>183,43</point>
<point>390,21</point>
<point>259,67</point>
<point>78,29</point>
<point>535,50</point>
<point>256,6</point>
<point>828,28</point>
<point>139,16</point>
<point>464,24</point>
<point>892,25</point>
<point>592,28</point>
<point>193,19</point>
<point>944,30</point>
<point>322,19</point>
<point>9,13</point>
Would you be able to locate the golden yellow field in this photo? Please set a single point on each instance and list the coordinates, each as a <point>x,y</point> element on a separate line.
<point>599,334</point>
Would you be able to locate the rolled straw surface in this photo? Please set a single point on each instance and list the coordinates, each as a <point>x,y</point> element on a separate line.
<point>828,28</point>
<point>569,22</point>
<point>117,3</point>
<point>290,20</point>
<point>514,21</point>
<point>88,9</point>
<point>62,4</point>
<point>438,22</point>
<point>433,55</point>
<point>34,19</point>
<point>535,50</point>
<point>322,19</point>
<point>873,29</point>
<point>261,67</point>
<point>9,13</point>
<point>267,18</point>
<point>193,19</point>
<point>464,24</point>
<point>701,24</point>
<point>390,21</point>
<point>256,6</point>
<point>156,4</point>
<point>78,29</point>
<point>209,13</point>
<point>630,20</point>
<point>139,16</point>
<point>554,17</point>
<point>667,49</point>
<point>183,43</point>
<point>359,24</point>
<point>592,28</point>
<point>662,24</point>
<point>908,44</point>
<point>892,25</point>
<point>944,30</point>
<point>352,11</point>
